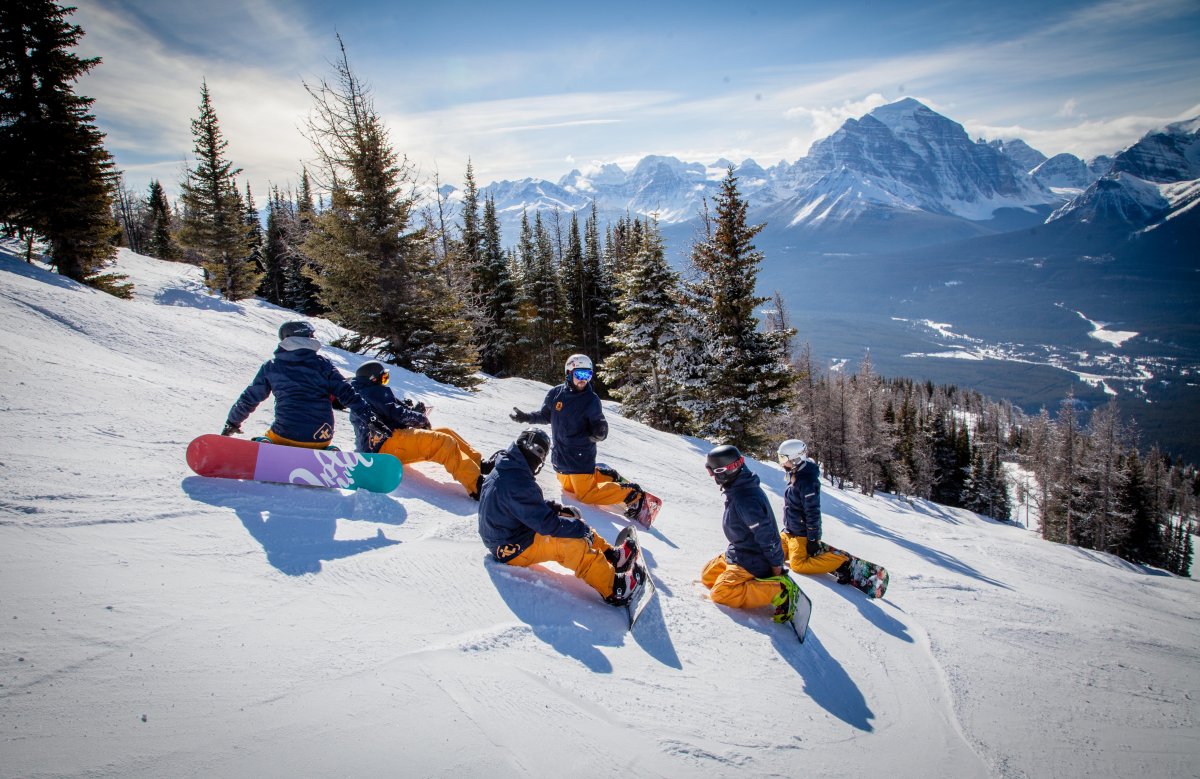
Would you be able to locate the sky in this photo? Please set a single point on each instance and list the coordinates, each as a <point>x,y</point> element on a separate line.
<point>537,89</point>
<point>157,623</point>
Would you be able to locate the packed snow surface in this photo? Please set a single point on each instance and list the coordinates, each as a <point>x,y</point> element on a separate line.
<point>161,624</point>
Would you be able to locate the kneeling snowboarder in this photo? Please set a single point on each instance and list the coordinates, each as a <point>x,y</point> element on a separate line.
<point>520,527</point>
<point>750,573</point>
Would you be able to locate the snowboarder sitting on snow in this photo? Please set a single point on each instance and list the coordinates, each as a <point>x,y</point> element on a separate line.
<point>412,440</point>
<point>801,535</point>
<point>520,527</point>
<point>577,423</point>
<point>751,572</point>
<point>304,384</point>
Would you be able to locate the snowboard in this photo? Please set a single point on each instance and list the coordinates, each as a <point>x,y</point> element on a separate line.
<point>868,577</point>
<point>802,613</point>
<point>649,509</point>
<point>650,505</point>
<point>645,590</point>
<point>224,457</point>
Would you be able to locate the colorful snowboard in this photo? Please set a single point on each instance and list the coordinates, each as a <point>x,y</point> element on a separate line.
<point>234,458</point>
<point>645,590</point>
<point>868,577</point>
<point>803,611</point>
<point>649,509</point>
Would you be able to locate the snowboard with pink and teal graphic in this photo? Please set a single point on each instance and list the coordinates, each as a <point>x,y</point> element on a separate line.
<point>225,457</point>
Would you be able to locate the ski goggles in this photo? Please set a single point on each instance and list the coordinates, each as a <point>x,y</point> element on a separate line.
<point>733,466</point>
<point>582,374</point>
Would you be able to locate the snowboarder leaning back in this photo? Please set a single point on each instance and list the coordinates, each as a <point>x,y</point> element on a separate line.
<point>577,423</point>
<point>305,384</point>
<point>412,439</point>
<point>520,527</point>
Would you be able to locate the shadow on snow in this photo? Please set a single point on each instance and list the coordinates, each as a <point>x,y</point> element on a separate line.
<point>297,532</point>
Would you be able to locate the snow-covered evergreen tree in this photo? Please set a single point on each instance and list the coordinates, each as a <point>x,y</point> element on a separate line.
<point>640,366</point>
<point>745,377</point>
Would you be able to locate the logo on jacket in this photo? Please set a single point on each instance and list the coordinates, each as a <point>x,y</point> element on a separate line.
<point>508,550</point>
<point>558,406</point>
<point>324,433</point>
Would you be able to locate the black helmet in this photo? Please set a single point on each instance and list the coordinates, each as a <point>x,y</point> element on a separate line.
<point>724,463</point>
<point>296,329</point>
<point>535,445</point>
<point>372,371</point>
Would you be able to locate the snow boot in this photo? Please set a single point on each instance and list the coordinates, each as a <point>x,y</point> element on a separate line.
<point>624,553</point>
<point>634,506</point>
<point>624,585</point>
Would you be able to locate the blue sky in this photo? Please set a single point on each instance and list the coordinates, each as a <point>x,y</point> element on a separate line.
<point>536,89</point>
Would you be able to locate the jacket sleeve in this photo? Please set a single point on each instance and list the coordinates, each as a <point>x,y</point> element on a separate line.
<point>760,520</point>
<point>399,415</point>
<point>597,424</point>
<point>542,415</point>
<point>536,513</point>
<point>256,393</point>
<point>809,489</point>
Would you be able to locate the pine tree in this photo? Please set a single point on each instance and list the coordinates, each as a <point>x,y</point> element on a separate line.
<point>746,375</point>
<point>502,326</point>
<point>377,274</point>
<point>57,180</point>
<point>214,222</point>
<point>161,241</point>
<point>639,368</point>
<point>299,271</point>
<point>274,249</point>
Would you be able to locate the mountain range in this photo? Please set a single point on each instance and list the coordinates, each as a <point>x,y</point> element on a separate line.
<point>968,261</point>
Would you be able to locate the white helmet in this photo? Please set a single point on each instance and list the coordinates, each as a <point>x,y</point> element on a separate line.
<point>792,452</point>
<point>578,362</point>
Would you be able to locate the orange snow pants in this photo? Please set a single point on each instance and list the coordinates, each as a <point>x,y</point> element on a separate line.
<point>595,488</point>
<point>796,550</point>
<point>441,445</point>
<point>733,585</point>
<point>588,562</point>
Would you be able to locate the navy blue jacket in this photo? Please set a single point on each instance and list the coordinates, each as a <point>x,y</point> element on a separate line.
<point>512,509</point>
<point>750,526</point>
<point>575,418</point>
<point>802,502</point>
<point>303,383</point>
<point>390,411</point>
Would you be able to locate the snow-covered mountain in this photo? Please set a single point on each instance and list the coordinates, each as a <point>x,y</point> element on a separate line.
<point>1149,183</point>
<point>157,623</point>
<point>900,161</point>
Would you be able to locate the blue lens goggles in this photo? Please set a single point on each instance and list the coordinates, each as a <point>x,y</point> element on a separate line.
<point>582,374</point>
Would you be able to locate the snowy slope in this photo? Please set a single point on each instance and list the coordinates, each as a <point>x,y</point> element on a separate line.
<point>156,623</point>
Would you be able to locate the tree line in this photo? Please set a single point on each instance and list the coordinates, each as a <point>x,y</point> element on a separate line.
<point>435,289</point>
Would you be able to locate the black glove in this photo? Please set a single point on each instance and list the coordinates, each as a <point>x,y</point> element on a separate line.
<point>420,407</point>
<point>814,547</point>
<point>519,416</point>
<point>230,429</point>
<point>599,432</point>
<point>570,512</point>
<point>589,536</point>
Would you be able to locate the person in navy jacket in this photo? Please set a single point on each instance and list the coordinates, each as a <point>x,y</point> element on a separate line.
<point>412,438</point>
<point>577,423</point>
<point>520,527</point>
<point>801,537</point>
<point>305,385</point>
<point>750,572</point>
